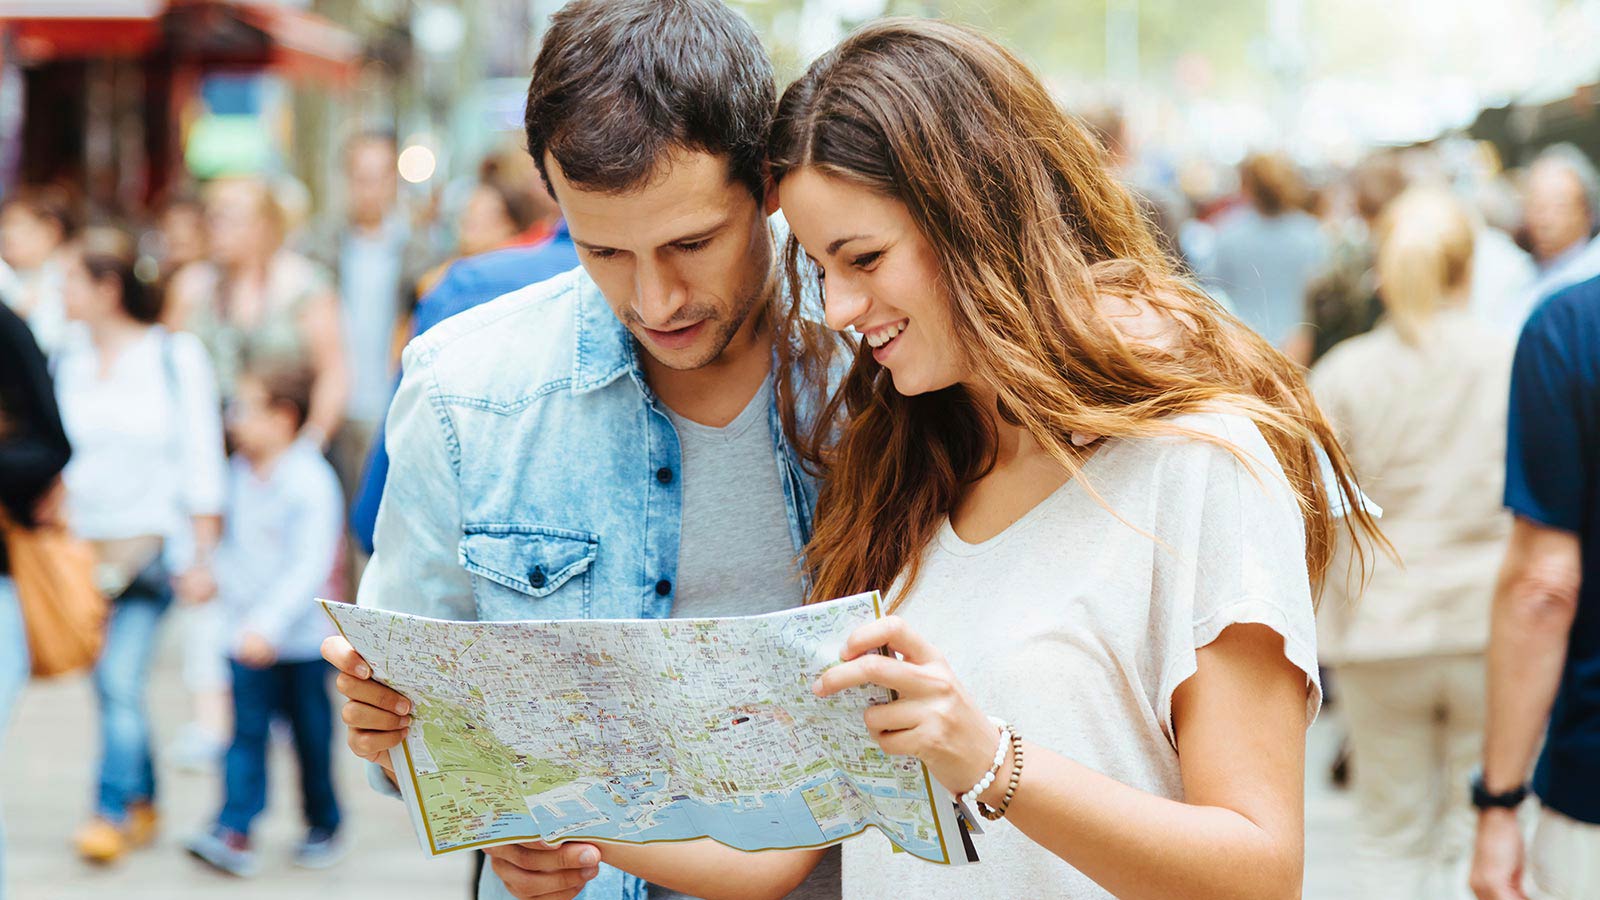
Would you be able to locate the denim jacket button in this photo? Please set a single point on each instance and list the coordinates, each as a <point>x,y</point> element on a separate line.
<point>664,475</point>
<point>663,587</point>
<point>536,577</point>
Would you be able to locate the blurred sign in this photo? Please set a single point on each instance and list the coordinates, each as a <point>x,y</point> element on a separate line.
<point>227,145</point>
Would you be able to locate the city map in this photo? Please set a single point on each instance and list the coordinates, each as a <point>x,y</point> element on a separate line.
<point>642,731</point>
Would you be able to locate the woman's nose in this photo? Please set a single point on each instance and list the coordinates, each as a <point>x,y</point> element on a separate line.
<point>842,305</point>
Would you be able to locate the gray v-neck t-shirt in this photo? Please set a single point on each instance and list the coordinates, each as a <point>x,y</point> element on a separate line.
<point>736,554</point>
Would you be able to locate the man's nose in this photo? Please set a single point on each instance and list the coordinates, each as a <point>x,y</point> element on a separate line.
<point>657,295</point>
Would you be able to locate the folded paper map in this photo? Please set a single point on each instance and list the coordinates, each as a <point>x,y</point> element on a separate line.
<point>644,731</point>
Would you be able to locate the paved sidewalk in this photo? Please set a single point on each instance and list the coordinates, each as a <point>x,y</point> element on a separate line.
<point>46,784</point>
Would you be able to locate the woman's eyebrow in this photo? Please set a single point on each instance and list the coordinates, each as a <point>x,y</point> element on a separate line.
<point>840,242</point>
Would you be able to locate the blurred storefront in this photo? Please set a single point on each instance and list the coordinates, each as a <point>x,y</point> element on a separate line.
<point>125,98</point>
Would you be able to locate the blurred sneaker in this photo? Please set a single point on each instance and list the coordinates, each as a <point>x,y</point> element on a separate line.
<point>225,850</point>
<point>321,849</point>
<point>100,841</point>
<point>196,751</point>
<point>142,824</point>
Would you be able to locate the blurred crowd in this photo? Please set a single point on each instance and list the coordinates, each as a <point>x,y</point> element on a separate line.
<point>222,375</point>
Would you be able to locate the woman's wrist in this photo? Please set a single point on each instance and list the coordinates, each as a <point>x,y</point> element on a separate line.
<point>1002,779</point>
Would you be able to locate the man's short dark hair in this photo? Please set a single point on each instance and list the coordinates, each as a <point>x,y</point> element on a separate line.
<point>620,83</point>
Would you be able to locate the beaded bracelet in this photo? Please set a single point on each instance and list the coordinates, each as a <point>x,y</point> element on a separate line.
<point>983,784</point>
<point>995,813</point>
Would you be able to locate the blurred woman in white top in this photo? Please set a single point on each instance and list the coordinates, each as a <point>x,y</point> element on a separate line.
<point>145,486</point>
<point>1419,404</point>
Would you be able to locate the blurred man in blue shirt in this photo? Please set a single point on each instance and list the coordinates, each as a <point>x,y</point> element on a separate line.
<point>1544,646</point>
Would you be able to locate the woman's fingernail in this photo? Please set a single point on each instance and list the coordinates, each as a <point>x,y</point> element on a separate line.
<point>403,707</point>
<point>589,857</point>
<point>362,671</point>
<point>590,873</point>
<point>816,686</point>
<point>405,722</point>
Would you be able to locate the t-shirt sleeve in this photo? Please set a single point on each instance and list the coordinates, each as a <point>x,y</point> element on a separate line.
<point>1545,451</point>
<point>1237,556</point>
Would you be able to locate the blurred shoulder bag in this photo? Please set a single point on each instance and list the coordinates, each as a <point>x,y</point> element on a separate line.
<point>63,611</point>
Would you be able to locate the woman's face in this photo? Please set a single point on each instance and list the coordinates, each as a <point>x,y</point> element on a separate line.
<point>485,224</point>
<point>235,228</point>
<point>85,299</point>
<point>881,277</point>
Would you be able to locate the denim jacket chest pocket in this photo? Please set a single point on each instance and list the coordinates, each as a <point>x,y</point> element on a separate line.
<point>529,571</point>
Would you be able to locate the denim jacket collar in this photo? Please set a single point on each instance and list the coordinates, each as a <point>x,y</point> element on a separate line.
<point>602,348</point>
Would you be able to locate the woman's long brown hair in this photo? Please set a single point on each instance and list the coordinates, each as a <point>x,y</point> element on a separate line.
<point>1033,234</point>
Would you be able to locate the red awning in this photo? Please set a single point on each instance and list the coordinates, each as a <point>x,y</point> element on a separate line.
<point>212,33</point>
<point>305,45</point>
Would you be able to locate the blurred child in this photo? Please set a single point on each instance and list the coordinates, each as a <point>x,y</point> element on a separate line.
<point>284,520</point>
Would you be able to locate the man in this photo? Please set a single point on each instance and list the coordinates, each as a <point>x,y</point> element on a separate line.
<point>377,258</point>
<point>609,443</point>
<point>1561,212</point>
<point>1544,646</point>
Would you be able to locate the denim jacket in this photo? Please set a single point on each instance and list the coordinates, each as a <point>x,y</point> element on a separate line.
<point>534,475</point>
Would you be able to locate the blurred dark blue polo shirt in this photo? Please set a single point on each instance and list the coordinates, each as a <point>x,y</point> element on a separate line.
<point>1553,478</point>
<point>470,282</point>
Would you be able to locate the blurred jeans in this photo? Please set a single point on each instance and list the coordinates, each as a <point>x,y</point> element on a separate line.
<point>13,675</point>
<point>299,692</point>
<point>127,771</point>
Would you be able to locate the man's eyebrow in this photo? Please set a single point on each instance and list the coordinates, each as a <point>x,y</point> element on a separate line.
<point>700,235</point>
<point>840,242</point>
<point>691,238</point>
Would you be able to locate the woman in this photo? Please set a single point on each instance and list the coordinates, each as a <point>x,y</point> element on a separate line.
<point>145,487</point>
<point>1420,402</point>
<point>33,450</point>
<point>256,300</point>
<point>1146,602</point>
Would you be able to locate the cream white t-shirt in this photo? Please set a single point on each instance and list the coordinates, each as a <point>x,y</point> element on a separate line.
<point>1077,628</point>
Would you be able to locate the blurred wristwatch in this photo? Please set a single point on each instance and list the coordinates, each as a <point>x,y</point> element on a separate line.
<point>1483,799</point>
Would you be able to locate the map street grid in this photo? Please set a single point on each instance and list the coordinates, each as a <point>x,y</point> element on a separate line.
<point>644,731</point>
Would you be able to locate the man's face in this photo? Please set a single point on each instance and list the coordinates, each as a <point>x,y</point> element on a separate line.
<point>1557,214</point>
<point>683,261</point>
<point>371,179</point>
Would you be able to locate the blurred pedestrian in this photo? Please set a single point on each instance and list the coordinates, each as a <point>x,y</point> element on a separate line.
<point>1268,252</point>
<point>182,236</point>
<point>145,486</point>
<point>1503,274</point>
<point>255,299</point>
<point>1419,406</point>
<point>1341,300</point>
<point>284,519</point>
<point>500,212</point>
<point>1561,213</point>
<point>1544,645</point>
<point>378,257</point>
<point>36,223</point>
<point>33,450</point>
